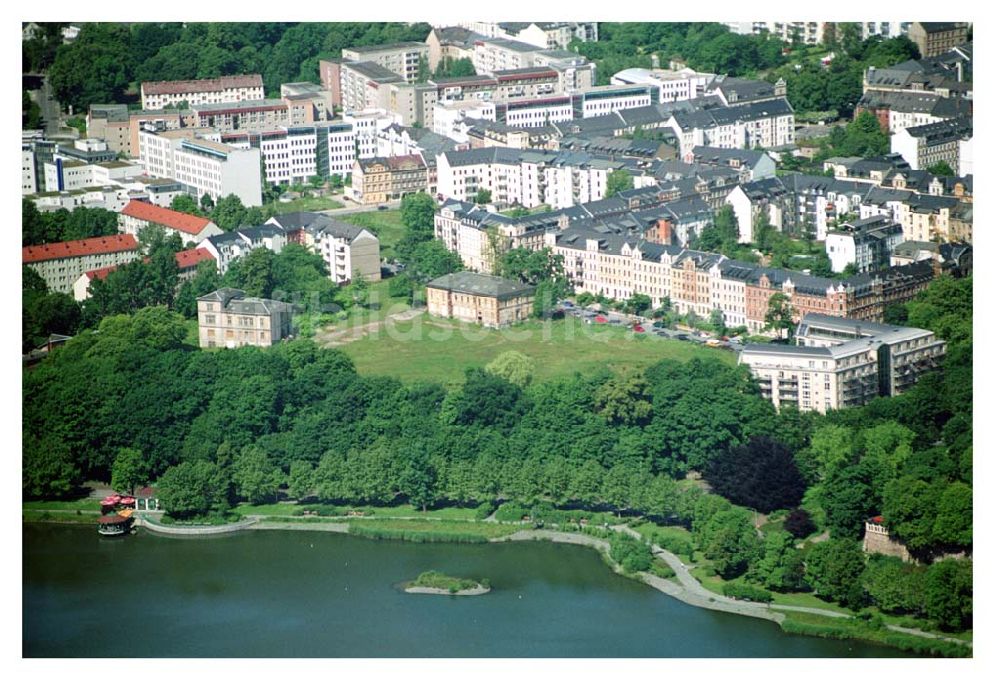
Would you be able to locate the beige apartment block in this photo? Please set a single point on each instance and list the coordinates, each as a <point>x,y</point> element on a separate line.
<point>841,363</point>
<point>480,299</point>
<point>227,318</point>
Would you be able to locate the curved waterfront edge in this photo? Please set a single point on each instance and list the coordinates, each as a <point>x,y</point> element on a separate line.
<point>687,589</point>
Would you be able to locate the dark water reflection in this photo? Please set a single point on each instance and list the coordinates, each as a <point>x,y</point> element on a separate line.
<point>315,594</point>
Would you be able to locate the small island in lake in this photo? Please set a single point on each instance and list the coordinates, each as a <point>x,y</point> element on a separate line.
<point>432,582</point>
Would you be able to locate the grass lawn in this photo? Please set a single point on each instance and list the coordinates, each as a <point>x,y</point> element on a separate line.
<point>806,600</point>
<point>440,350</point>
<point>83,517</point>
<point>413,529</point>
<point>651,530</point>
<point>387,225</point>
<point>74,505</point>
<point>381,304</point>
<point>311,203</point>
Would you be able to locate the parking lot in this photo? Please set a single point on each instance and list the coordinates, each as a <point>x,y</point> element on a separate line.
<point>646,326</point>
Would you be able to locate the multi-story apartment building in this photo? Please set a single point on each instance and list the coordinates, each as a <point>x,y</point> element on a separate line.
<point>28,183</point>
<point>187,267</point>
<point>884,29</point>
<point>377,180</point>
<point>480,298</point>
<point>318,98</point>
<point>110,122</point>
<point>349,252</point>
<point>112,197</point>
<point>808,32</point>
<point>329,77</point>
<point>479,236</point>
<point>613,265</point>
<point>532,81</point>
<point>296,153</point>
<point>204,165</point>
<point>449,44</point>
<point>767,123</point>
<point>674,86</point>
<point>347,249</point>
<point>925,145</point>
<point>840,363</point>
<point>138,215</point>
<point>598,101</point>
<point>535,112</point>
<point>937,37</point>
<point>576,73</point>
<point>867,243</point>
<point>61,264</point>
<point>364,85</point>
<point>227,247</point>
<point>500,54</point>
<point>541,34</point>
<point>523,177</point>
<point>250,114</point>
<point>228,318</point>
<point>403,59</point>
<point>898,110</point>
<point>159,94</point>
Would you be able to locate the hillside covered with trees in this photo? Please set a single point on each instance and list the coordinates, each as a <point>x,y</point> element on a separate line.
<point>214,427</point>
<point>108,60</point>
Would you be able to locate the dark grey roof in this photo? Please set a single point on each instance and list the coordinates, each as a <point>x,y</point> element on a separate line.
<point>477,284</point>
<point>943,131</point>
<point>236,301</point>
<point>514,45</point>
<point>714,155</point>
<point>370,69</point>
<point>780,349</point>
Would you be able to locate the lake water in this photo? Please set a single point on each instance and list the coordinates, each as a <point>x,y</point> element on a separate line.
<point>318,594</point>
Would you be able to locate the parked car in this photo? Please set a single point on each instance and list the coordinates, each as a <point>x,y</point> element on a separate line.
<point>638,329</point>
<point>383,207</point>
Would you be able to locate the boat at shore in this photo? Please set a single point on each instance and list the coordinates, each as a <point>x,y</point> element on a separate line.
<point>115,525</point>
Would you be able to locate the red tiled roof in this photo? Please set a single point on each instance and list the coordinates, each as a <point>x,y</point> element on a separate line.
<point>185,259</point>
<point>79,248</point>
<point>192,257</point>
<point>101,273</point>
<point>182,222</point>
<point>179,87</point>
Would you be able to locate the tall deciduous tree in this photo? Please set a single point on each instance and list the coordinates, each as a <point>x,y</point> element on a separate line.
<point>779,315</point>
<point>618,181</point>
<point>256,479</point>
<point>129,470</point>
<point>833,569</point>
<point>760,474</point>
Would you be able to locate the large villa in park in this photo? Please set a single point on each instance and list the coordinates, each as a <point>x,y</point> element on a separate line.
<point>480,298</point>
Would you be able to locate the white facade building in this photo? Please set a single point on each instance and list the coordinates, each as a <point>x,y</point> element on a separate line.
<point>157,95</point>
<point>206,166</point>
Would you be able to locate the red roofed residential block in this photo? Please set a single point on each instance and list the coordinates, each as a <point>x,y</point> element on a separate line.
<point>61,264</point>
<point>192,229</point>
<point>187,264</point>
<point>164,217</point>
<point>189,259</point>
<point>78,248</point>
